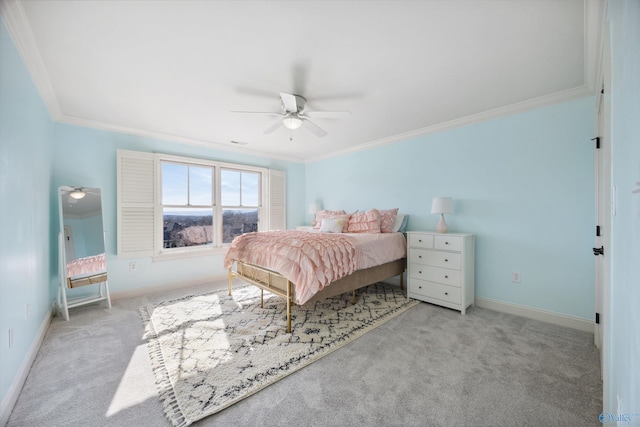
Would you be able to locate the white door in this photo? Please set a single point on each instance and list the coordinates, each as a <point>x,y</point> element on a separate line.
<point>604,211</point>
<point>69,251</point>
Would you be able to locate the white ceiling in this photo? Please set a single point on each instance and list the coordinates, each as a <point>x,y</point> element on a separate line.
<point>175,70</point>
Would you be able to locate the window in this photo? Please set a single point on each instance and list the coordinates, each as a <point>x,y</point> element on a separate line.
<point>187,205</point>
<point>169,205</point>
<point>240,201</point>
<point>192,204</point>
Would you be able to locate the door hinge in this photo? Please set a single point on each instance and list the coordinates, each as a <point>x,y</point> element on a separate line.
<point>598,251</point>
<point>597,318</point>
<point>598,230</point>
<point>597,140</point>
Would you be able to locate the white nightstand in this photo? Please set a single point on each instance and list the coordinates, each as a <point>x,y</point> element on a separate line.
<point>304,227</point>
<point>441,268</point>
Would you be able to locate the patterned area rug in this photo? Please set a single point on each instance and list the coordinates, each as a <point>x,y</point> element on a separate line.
<point>210,351</point>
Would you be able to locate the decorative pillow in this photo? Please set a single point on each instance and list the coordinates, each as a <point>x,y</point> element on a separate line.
<point>333,225</point>
<point>342,217</point>
<point>387,219</point>
<point>320,215</point>
<point>365,222</point>
<point>402,225</point>
<point>397,223</point>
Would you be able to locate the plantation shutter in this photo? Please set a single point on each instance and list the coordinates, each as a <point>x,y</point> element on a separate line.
<point>277,200</point>
<point>135,203</point>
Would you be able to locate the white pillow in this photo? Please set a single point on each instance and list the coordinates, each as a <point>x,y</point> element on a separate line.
<point>398,223</point>
<point>332,225</point>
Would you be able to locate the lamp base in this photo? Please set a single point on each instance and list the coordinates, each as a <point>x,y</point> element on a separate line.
<point>442,226</point>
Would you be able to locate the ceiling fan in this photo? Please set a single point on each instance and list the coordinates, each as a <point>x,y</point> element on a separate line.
<point>76,193</point>
<point>294,115</point>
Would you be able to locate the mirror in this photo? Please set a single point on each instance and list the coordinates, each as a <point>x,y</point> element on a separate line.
<point>83,234</point>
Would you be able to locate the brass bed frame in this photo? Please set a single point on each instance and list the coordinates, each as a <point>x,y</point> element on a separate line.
<point>277,284</point>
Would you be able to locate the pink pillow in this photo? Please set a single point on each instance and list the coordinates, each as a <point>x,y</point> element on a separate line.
<point>365,222</point>
<point>320,215</point>
<point>387,219</point>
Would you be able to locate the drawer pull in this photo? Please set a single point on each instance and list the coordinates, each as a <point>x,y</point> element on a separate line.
<point>420,240</point>
<point>446,293</point>
<point>446,277</point>
<point>419,271</point>
<point>420,256</point>
<point>419,287</point>
<point>446,243</point>
<point>446,260</point>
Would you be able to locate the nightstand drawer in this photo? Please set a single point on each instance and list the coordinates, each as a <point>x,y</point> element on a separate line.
<point>421,241</point>
<point>435,274</point>
<point>448,243</point>
<point>436,259</point>
<point>435,290</point>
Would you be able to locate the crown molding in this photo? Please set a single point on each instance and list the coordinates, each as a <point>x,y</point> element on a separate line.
<point>543,101</point>
<point>14,16</point>
<point>16,20</point>
<point>72,120</point>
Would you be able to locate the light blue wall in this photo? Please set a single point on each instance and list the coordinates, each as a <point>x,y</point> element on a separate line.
<point>623,391</point>
<point>77,233</point>
<point>87,157</point>
<point>524,184</point>
<point>93,236</point>
<point>26,145</point>
<point>88,238</point>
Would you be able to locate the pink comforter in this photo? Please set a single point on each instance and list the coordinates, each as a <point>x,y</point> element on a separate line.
<point>310,260</point>
<point>87,265</point>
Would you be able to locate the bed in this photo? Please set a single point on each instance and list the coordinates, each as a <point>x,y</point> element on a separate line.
<point>86,271</point>
<point>306,266</point>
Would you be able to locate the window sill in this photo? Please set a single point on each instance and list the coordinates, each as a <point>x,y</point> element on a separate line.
<point>190,254</point>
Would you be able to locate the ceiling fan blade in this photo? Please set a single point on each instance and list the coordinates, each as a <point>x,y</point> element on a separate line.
<point>274,127</point>
<point>328,114</point>
<point>289,102</point>
<point>314,128</point>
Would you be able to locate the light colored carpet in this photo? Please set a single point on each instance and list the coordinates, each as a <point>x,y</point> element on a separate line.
<point>429,366</point>
<point>210,351</point>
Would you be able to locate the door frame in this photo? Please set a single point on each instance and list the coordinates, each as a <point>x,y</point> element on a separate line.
<point>605,210</point>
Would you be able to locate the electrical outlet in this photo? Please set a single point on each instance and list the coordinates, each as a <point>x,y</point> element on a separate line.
<point>515,277</point>
<point>133,266</point>
<point>10,337</point>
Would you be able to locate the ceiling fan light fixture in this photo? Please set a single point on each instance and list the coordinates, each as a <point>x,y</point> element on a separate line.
<point>292,122</point>
<point>77,194</point>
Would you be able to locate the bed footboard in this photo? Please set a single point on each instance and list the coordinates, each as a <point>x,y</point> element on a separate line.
<point>266,280</point>
<point>275,283</point>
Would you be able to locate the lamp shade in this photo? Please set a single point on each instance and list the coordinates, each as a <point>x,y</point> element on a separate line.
<point>442,205</point>
<point>314,208</point>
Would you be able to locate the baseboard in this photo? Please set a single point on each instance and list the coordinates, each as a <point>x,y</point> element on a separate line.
<point>11,397</point>
<point>536,314</point>
<point>133,293</point>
